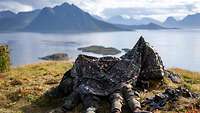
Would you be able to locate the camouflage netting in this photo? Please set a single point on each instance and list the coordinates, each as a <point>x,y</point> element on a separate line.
<point>4,58</point>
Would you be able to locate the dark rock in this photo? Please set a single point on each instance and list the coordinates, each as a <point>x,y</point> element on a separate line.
<point>56,56</point>
<point>169,96</point>
<point>173,77</point>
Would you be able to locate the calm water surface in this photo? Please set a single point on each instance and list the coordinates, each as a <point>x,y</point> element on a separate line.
<point>177,48</point>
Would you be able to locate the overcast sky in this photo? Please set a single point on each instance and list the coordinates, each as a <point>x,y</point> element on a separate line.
<point>158,9</point>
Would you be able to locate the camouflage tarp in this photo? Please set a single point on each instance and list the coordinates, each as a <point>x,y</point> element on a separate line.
<point>101,76</point>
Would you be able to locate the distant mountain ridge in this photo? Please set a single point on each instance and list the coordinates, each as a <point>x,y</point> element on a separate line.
<point>18,21</point>
<point>190,21</point>
<point>62,18</point>
<point>68,18</point>
<point>131,21</point>
<point>6,14</point>
<point>150,26</point>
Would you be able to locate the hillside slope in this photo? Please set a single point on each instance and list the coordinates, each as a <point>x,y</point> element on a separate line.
<point>22,89</point>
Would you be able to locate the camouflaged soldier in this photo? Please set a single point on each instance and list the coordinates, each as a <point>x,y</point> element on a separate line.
<point>82,81</point>
<point>151,68</point>
<point>113,78</point>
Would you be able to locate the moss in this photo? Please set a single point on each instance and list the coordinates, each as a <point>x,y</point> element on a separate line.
<point>4,58</point>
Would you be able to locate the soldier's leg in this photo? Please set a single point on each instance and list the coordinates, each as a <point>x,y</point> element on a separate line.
<point>130,98</point>
<point>116,100</point>
<point>90,103</point>
<point>71,101</point>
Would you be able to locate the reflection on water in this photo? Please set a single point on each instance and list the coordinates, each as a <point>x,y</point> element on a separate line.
<point>178,48</point>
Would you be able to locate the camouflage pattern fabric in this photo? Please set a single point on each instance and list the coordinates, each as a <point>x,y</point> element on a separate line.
<point>102,76</point>
<point>92,77</point>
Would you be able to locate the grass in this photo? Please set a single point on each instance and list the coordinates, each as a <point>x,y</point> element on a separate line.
<point>190,79</point>
<point>22,89</point>
<point>22,86</point>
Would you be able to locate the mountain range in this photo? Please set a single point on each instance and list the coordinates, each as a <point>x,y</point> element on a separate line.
<point>63,18</point>
<point>150,26</point>
<point>131,21</point>
<point>69,18</point>
<point>190,21</point>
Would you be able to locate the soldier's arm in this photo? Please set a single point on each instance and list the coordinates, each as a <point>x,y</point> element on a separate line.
<point>64,88</point>
<point>66,84</point>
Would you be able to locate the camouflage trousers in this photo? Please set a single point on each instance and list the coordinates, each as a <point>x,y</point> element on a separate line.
<point>122,96</point>
<point>90,102</point>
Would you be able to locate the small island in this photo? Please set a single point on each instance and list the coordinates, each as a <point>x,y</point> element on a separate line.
<point>100,50</point>
<point>126,49</point>
<point>56,57</point>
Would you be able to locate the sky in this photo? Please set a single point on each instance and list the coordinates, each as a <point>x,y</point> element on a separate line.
<point>157,9</point>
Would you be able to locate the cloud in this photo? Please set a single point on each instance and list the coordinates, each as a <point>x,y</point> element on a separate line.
<point>155,12</point>
<point>14,6</point>
<point>159,9</point>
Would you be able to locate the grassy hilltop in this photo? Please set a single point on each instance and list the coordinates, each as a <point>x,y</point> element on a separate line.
<point>22,88</point>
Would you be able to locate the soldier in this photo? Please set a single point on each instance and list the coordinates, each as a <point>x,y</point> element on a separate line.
<point>92,78</point>
<point>126,95</point>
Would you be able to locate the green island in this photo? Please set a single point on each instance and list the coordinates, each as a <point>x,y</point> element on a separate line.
<point>100,50</point>
<point>56,57</point>
<point>22,93</point>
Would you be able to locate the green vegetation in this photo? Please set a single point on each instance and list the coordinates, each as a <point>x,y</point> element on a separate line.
<point>4,58</point>
<point>22,89</point>
<point>100,50</point>
<point>190,79</point>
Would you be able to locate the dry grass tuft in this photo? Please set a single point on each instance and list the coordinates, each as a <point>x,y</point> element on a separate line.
<point>23,86</point>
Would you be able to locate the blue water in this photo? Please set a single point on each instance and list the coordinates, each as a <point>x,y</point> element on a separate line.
<point>177,48</point>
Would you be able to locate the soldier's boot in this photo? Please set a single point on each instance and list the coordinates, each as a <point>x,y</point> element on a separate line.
<point>90,103</point>
<point>116,101</point>
<point>130,97</point>
<point>71,101</point>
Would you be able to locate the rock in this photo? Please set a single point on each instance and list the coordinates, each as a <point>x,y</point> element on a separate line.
<point>173,77</point>
<point>15,82</point>
<point>100,50</point>
<point>56,57</point>
<point>169,96</point>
